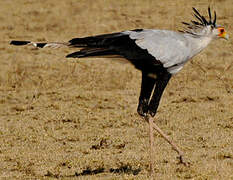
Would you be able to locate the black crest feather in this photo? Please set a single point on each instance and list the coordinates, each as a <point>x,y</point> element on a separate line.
<point>201,20</point>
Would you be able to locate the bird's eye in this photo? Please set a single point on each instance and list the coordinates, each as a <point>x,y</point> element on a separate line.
<point>221,30</point>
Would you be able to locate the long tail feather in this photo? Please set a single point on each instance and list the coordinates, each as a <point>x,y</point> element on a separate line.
<point>100,45</point>
<point>87,52</point>
<point>40,45</point>
<point>94,41</point>
<point>19,43</point>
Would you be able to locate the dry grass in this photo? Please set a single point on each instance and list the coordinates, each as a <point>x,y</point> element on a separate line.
<point>68,119</point>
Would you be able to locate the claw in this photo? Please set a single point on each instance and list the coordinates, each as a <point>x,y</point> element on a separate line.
<point>181,161</point>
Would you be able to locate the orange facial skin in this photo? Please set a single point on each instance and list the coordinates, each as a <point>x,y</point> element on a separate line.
<point>222,32</point>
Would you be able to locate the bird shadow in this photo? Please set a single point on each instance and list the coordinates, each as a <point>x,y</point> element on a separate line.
<point>123,169</point>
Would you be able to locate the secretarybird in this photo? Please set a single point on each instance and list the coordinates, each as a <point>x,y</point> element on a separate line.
<point>158,54</point>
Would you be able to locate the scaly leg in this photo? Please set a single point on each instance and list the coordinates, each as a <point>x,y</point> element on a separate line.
<point>151,141</point>
<point>174,146</point>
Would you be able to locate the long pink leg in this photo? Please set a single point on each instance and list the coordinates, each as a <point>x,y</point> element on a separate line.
<point>151,141</point>
<point>174,146</point>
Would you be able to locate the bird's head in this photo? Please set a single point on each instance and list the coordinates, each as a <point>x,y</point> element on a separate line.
<point>220,32</point>
<point>202,27</point>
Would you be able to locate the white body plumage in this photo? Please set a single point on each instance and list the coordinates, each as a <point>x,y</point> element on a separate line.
<point>172,49</point>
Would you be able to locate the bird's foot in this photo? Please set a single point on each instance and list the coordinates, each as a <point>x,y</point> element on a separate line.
<point>182,161</point>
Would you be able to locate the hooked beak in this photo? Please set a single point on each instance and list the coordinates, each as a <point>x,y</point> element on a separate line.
<point>225,35</point>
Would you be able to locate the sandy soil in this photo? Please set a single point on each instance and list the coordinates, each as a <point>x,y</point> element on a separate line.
<point>76,119</point>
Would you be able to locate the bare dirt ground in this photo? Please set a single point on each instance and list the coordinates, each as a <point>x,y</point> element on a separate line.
<point>76,119</point>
